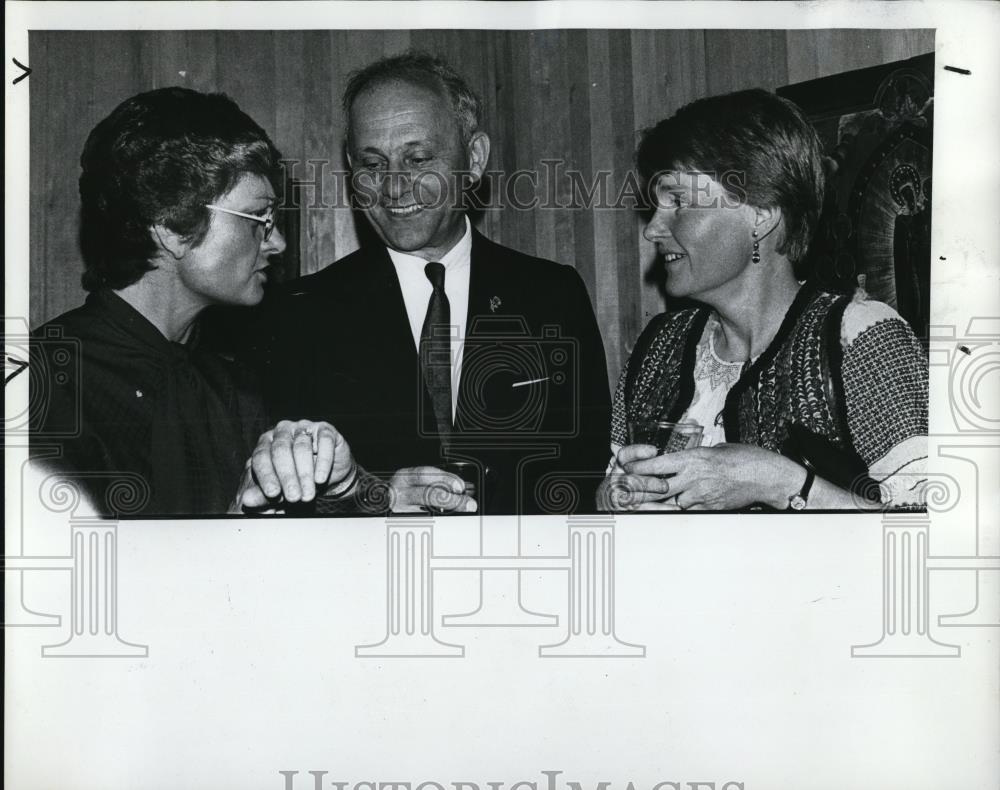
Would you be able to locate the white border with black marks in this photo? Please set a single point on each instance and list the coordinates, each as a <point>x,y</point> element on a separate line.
<point>231,654</point>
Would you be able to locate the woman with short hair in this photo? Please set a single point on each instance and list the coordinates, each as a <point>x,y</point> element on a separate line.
<point>178,193</point>
<point>804,397</point>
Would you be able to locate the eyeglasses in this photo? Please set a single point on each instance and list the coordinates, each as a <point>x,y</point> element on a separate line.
<point>267,220</point>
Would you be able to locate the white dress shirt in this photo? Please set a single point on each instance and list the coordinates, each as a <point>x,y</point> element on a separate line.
<point>417,292</point>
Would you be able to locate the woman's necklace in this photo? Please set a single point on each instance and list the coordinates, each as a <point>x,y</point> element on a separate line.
<point>716,369</point>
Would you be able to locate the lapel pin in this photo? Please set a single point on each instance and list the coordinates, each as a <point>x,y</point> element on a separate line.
<point>494,303</point>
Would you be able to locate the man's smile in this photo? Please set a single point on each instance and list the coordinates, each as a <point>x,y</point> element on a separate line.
<point>403,211</point>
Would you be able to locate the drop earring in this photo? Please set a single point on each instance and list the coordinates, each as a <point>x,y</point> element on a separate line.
<point>755,257</point>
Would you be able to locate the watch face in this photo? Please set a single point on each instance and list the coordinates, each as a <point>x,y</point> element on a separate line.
<point>797,502</point>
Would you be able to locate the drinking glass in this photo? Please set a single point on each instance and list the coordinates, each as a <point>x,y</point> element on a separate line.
<point>665,436</point>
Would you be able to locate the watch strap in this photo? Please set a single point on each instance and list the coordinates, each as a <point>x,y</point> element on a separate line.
<point>798,500</point>
<point>808,484</point>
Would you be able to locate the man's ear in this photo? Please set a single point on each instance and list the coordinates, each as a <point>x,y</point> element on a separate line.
<point>170,242</point>
<point>478,151</point>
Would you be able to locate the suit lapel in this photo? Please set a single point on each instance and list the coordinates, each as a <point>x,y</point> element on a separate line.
<point>479,277</point>
<point>397,364</point>
<point>385,362</point>
<point>385,302</point>
<point>489,299</point>
<point>489,294</point>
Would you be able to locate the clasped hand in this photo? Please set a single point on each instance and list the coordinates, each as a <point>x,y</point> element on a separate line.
<point>292,463</point>
<point>723,477</point>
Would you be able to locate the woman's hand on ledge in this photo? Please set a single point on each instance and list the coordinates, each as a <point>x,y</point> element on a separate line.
<point>620,491</point>
<point>723,477</point>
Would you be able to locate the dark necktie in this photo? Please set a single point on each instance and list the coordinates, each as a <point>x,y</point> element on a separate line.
<point>435,350</point>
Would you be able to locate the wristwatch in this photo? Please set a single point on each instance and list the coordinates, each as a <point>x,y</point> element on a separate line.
<point>798,501</point>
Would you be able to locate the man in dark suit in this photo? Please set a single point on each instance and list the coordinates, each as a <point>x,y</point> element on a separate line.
<point>437,345</point>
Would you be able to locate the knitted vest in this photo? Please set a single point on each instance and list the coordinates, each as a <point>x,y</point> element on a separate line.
<point>796,380</point>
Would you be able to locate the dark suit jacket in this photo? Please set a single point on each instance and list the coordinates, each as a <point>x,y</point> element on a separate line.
<point>337,346</point>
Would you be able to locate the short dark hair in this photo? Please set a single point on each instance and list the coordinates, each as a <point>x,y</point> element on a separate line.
<point>423,69</point>
<point>158,158</point>
<point>764,138</point>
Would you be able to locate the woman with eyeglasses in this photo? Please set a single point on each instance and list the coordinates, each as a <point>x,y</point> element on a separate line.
<point>178,206</point>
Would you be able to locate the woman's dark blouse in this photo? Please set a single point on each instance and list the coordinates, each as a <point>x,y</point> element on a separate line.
<point>145,425</point>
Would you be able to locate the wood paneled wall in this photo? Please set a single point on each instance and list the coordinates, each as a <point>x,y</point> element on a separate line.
<point>573,95</point>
